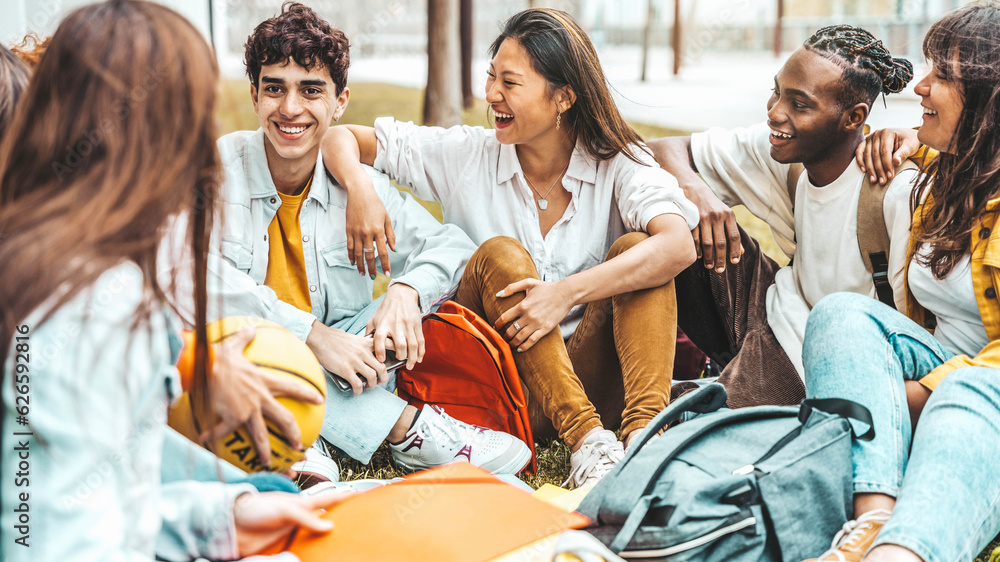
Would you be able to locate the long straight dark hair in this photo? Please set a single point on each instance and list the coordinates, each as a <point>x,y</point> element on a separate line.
<point>114,136</point>
<point>562,53</point>
<point>965,49</point>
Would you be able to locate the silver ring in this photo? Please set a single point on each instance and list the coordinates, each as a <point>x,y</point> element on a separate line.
<point>368,251</point>
<point>517,326</point>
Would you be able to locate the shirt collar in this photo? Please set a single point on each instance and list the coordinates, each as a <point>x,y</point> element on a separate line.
<point>262,184</point>
<point>582,166</point>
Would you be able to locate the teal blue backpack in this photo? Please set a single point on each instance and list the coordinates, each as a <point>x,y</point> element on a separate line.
<point>763,483</point>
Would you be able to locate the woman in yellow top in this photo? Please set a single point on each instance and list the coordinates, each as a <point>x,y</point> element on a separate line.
<point>942,472</point>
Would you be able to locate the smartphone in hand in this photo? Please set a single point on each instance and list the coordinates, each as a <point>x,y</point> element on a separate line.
<point>391,364</point>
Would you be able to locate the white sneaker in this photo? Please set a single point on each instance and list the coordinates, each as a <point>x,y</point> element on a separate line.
<point>599,453</point>
<point>437,438</point>
<point>317,467</point>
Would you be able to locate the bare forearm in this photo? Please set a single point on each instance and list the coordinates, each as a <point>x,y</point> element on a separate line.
<point>650,263</point>
<point>345,148</point>
<point>673,154</point>
<point>367,143</point>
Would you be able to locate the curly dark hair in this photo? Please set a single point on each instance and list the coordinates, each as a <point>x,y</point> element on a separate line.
<point>299,35</point>
<point>869,69</point>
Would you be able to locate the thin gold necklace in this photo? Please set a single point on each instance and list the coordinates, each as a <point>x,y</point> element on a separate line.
<point>542,202</point>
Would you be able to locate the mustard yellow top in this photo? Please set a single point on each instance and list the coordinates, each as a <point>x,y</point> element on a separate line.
<point>286,266</point>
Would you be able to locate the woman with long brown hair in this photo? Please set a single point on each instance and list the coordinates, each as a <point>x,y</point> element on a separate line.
<point>580,232</point>
<point>113,138</point>
<point>938,364</point>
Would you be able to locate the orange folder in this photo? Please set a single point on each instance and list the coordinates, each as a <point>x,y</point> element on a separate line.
<point>455,512</point>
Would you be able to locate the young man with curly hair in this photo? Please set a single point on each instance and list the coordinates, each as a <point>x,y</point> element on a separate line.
<point>284,233</point>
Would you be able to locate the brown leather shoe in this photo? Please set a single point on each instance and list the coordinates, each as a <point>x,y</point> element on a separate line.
<point>855,539</point>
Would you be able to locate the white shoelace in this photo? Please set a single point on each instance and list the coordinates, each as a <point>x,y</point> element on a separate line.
<point>457,431</point>
<point>854,530</point>
<point>597,463</point>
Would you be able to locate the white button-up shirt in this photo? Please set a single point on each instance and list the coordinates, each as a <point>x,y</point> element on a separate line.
<point>482,189</point>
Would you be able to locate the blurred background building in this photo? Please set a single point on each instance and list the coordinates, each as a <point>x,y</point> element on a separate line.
<point>719,72</point>
<point>392,27</point>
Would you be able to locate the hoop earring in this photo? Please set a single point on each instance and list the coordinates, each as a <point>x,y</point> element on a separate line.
<point>558,120</point>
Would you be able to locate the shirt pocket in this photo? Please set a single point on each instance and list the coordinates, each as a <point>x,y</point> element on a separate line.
<point>238,253</point>
<point>346,291</point>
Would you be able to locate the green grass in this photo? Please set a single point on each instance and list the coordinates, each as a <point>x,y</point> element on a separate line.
<point>369,101</point>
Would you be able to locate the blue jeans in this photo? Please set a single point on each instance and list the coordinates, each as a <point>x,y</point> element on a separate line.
<point>949,506</point>
<point>357,425</point>
<point>943,475</point>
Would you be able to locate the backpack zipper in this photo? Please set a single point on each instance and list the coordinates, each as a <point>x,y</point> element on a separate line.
<point>693,543</point>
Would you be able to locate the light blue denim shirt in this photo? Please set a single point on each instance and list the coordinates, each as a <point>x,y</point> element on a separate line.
<point>429,256</point>
<point>96,390</point>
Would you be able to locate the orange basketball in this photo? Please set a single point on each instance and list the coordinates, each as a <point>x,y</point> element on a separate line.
<point>277,351</point>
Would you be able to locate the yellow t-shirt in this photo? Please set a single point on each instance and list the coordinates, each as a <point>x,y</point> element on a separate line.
<point>286,266</point>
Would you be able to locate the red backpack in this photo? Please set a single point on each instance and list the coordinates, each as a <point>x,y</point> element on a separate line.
<point>468,369</point>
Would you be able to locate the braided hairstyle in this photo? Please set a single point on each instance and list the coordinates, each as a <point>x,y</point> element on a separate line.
<point>869,69</point>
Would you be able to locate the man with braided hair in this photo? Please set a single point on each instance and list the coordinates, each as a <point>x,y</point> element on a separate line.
<point>749,314</point>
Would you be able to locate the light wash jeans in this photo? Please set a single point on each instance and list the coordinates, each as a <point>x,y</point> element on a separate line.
<point>357,425</point>
<point>944,475</point>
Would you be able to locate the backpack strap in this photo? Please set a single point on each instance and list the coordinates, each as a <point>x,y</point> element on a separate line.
<point>708,398</point>
<point>795,172</point>
<point>843,408</point>
<point>792,180</point>
<point>873,236</point>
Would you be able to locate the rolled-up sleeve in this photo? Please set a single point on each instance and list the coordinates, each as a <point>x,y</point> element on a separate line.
<point>647,191</point>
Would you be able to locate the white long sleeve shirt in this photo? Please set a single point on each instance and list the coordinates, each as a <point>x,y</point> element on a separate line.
<point>482,189</point>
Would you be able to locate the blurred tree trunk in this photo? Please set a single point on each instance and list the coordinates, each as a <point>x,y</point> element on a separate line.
<point>778,28</point>
<point>443,97</point>
<point>465,32</point>
<point>647,32</point>
<point>677,40</point>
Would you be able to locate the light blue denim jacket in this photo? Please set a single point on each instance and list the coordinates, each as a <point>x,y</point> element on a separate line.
<point>97,389</point>
<point>429,256</point>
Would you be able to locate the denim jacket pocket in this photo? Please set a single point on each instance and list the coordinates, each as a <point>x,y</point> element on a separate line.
<point>347,291</point>
<point>238,254</point>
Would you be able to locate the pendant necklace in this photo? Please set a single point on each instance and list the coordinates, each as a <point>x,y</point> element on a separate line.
<point>542,202</point>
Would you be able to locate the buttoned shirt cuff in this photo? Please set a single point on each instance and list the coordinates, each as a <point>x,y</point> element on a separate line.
<point>298,321</point>
<point>428,289</point>
<point>667,208</point>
